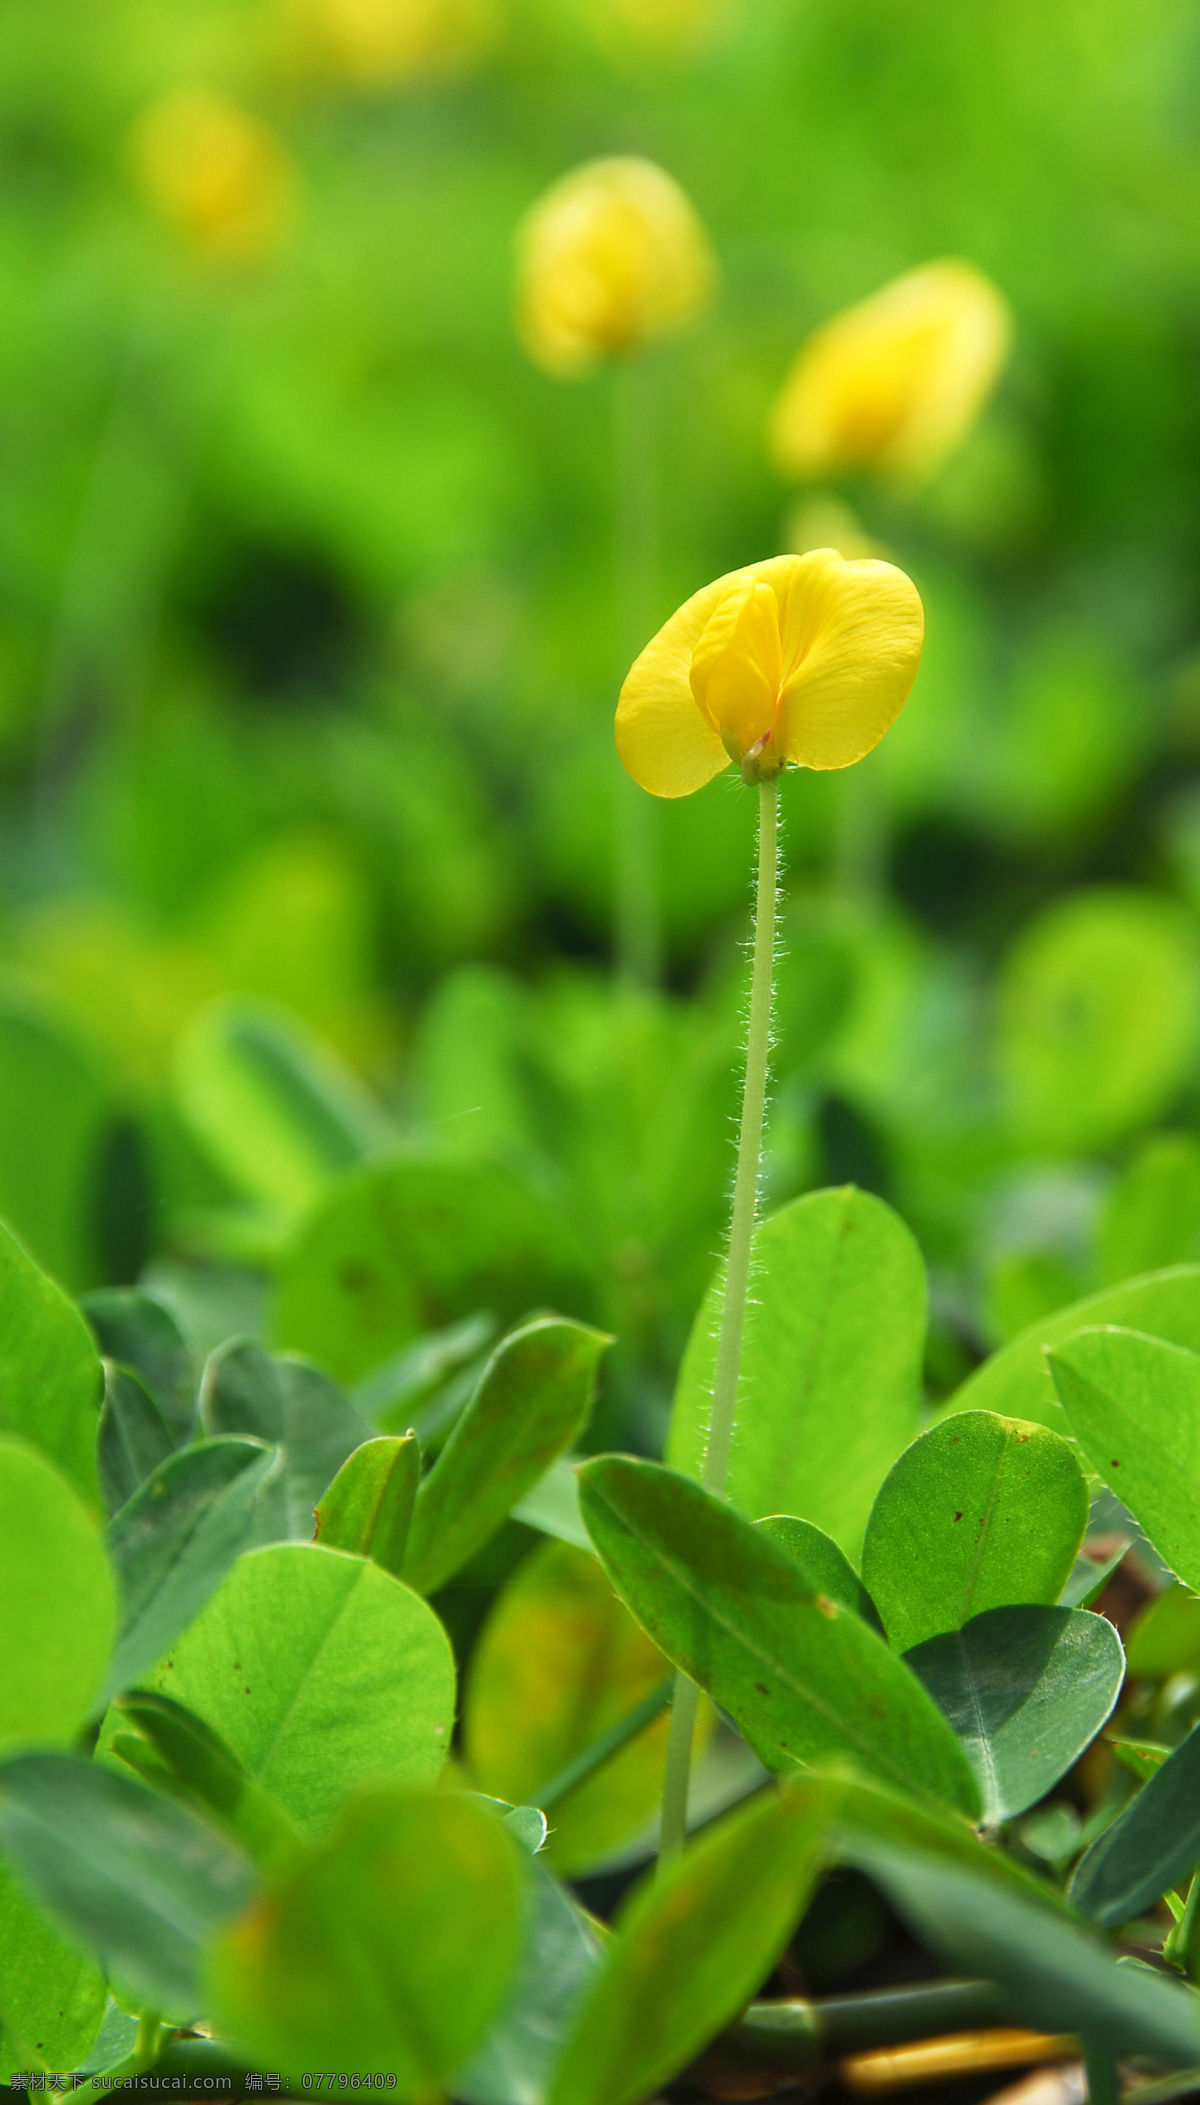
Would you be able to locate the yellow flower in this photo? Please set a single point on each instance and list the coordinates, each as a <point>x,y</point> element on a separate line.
<point>800,661</point>
<point>215,171</point>
<point>381,43</point>
<point>893,385</point>
<point>612,256</point>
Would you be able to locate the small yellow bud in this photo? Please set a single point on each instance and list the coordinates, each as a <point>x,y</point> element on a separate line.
<point>383,43</point>
<point>893,385</point>
<point>800,661</point>
<point>612,256</point>
<point>216,172</point>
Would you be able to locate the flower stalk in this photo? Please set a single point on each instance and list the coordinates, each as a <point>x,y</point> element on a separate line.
<point>738,1261</point>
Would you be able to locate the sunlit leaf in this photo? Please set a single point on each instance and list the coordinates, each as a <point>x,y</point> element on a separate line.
<point>1133,1403</point>
<point>58,1603</point>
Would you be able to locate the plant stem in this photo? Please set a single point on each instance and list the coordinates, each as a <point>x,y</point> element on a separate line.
<point>737,1279</point>
<point>638,930</point>
<point>1103,2080</point>
<point>1182,1946</point>
<point>611,1742</point>
<point>149,2039</point>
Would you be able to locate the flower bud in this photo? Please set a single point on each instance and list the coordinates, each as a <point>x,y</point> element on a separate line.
<point>611,257</point>
<point>384,43</point>
<point>892,386</point>
<point>216,172</point>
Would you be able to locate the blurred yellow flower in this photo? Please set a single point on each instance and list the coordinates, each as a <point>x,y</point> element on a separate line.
<point>216,172</point>
<point>801,661</point>
<point>893,385</point>
<point>657,25</point>
<point>612,256</point>
<point>381,43</point>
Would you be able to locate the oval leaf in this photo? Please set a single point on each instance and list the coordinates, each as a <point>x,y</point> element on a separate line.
<point>829,1391</point>
<point>321,1672</point>
<point>139,1333</point>
<point>388,1949</point>
<point>531,1404</point>
<point>560,1955</point>
<point>368,1507</point>
<point>980,1512</point>
<point>58,1603</point>
<point>134,1437</point>
<point>805,1680</point>
<point>693,1943</point>
<point>1151,1846</point>
<point>826,1567</point>
<point>51,1380</point>
<point>136,1881</point>
<point>1133,1403</point>
<point>52,1998</point>
<point>1026,1690</point>
<point>176,1539</point>
<point>291,1405</point>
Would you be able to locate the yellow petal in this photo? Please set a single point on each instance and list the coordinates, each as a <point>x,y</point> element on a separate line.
<point>851,635</point>
<point>664,738</point>
<point>894,384</point>
<point>612,256</point>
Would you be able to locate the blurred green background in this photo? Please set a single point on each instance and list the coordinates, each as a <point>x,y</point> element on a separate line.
<point>308,656</point>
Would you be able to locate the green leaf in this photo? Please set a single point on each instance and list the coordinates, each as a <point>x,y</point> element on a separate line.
<point>176,1539</point>
<point>406,1247</point>
<point>55,1102</point>
<point>128,1877</point>
<point>321,1673</point>
<point>134,1437</point>
<point>192,1761</point>
<point>1133,1403</point>
<point>52,1998</point>
<point>1151,1217</point>
<point>277,1111</point>
<point>139,1333</point>
<point>51,1380</point>
<point>1026,1690</point>
<point>693,1943</point>
<point>1097,1017</point>
<point>953,1895</point>
<point>58,1603</point>
<point>559,1661</point>
<point>552,1507</point>
<point>826,1567</point>
<point>1165,1639</point>
<point>805,1680</point>
<point>389,1948</point>
<point>830,1383</point>
<point>531,1404</point>
<point>292,1405</point>
<point>980,1512</point>
<point>1088,1578</point>
<point>1152,1845</point>
<point>1017,1381</point>
<point>560,1955</point>
<point>369,1505</point>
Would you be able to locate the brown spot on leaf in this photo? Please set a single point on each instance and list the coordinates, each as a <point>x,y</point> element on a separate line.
<point>827,1607</point>
<point>958,1516</point>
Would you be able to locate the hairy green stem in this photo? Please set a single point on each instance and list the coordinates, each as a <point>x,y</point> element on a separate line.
<point>611,1742</point>
<point>737,1279</point>
<point>638,930</point>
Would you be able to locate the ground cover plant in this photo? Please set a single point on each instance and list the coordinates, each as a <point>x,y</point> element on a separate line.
<point>499,1601</point>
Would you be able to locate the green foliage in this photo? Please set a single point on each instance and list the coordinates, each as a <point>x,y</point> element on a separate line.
<point>690,1949</point>
<point>1150,1846</point>
<point>288,1403</point>
<point>50,1376</point>
<point>57,1603</point>
<point>52,1998</point>
<point>411,1246</point>
<point>560,1955</point>
<point>176,1539</point>
<point>390,1946</point>
<point>1165,1639</point>
<point>980,1512</point>
<point>838,1313</point>
<point>1026,1690</point>
<point>1098,1018</point>
<point>133,1437</point>
<point>1152,1214</point>
<point>142,1336</point>
<point>824,1565</point>
<point>368,1507</point>
<point>1133,1403</point>
<point>140,1882</point>
<point>321,1672</point>
<point>805,1680</point>
<point>559,1661</point>
<point>531,1404</point>
<point>176,1752</point>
